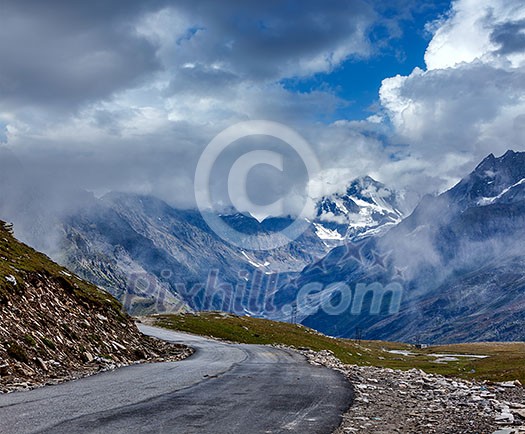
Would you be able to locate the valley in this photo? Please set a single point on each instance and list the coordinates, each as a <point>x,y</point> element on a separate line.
<point>496,362</point>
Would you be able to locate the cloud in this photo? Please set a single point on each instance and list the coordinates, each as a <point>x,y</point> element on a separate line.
<point>469,100</point>
<point>510,37</point>
<point>66,56</point>
<point>60,54</point>
<point>477,30</point>
<point>263,40</point>
<point>126,95</point>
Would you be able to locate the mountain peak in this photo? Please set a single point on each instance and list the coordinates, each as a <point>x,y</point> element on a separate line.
<point>489,160</point>
<point>365,205</point>
<point>509,153</point>
<point>458,258</point>
<point>507,158</point>
<point>491,179</point>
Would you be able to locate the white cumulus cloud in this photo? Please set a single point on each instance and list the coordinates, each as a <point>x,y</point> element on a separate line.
<point>470,100</point>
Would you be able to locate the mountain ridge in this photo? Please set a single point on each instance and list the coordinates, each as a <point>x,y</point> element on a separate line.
<point>152,256</point>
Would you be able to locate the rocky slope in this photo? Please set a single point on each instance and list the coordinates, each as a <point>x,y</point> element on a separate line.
<point>55,326</point>
<point>458,259</point>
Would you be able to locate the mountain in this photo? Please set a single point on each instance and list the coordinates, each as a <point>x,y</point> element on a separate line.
<point>156,258</point>
<point>140,248</point>
<point>457,262</point>
<point>125,239</point>
<point>54,325</point>
<point>366,207</point>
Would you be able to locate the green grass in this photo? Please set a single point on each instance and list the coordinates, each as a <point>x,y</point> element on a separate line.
<point>49,343</point>
<point>505,361</point>
<point>16,352</point>
<point>30,340</point>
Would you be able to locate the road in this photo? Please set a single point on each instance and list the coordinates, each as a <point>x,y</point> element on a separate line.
<point>221,388</point>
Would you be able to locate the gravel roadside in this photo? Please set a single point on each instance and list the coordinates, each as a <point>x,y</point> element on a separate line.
<point>413,402</point>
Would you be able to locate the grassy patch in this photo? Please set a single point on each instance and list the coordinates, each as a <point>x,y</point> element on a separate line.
<point>504,361</point>
<point>29,340</point>
<point>17,352</point>
<point>49,343</point>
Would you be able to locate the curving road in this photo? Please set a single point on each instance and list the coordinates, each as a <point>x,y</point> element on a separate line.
<point>222,388</point>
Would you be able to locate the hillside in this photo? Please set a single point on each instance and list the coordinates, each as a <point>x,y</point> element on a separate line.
<point>55,326</point>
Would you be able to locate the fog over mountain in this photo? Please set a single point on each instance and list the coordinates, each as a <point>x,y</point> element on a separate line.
<point>157,258</point>
<point>458,259</point>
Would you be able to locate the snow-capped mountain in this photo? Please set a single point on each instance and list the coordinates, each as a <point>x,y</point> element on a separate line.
<point>495,180</point>
<point>366,207</point>
<point>459,259</point>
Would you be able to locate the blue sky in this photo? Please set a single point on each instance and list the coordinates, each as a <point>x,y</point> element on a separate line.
<point>357,80</point>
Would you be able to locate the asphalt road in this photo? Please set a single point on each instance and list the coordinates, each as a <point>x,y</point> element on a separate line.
<point>222,388</point>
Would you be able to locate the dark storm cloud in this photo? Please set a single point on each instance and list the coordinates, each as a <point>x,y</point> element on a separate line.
<point>253,41</point>
<point>269,40</point>
<point>510,36</point>
<point>62,53</point>
<point>124,95</point>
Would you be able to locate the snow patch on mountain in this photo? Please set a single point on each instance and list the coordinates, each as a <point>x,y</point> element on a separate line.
<point>490,200</point>
<point>326,233</point>
<point>365,207</point>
